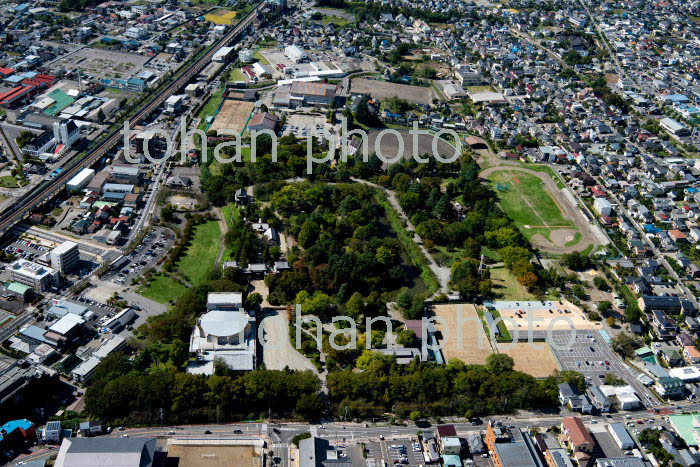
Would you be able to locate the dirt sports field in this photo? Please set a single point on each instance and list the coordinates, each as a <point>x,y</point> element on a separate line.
<point>104,63</point>
<point>475,345</point>
<point>533,358</point>
<point>389,145</point>
<point>233,116</point>
<point>214,456</point>
<point>384,90</point>
<point>543,313</point>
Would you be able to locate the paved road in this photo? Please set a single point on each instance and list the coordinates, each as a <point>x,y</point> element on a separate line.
<point>14,324</point>
<point>657,253</point>
<point>345,433</point>
<point>23,207</point>
<point>529,39</point>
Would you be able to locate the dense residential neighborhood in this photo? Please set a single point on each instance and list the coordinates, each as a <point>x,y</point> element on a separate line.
<point>350,233</point>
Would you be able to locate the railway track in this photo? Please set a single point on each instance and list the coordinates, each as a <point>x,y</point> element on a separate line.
<point>45,191</point>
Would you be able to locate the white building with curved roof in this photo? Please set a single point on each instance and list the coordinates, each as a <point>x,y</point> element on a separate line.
<point>226,332</point>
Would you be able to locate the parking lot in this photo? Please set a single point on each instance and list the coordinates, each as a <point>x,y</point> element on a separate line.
<point>33,249</point>
<point>394,452</point>
<point>588,355</point>
<point>591,356</point>
<point>302,125</point>
<point>145,256</point>
<point>402,451</point>
<point>374,454</point>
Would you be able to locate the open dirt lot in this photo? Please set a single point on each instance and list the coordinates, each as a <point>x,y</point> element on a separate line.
<point>233,116</point>
<point>182,202</point>
<point>214,456</point>
<point>475,345</point>
<point>384,90</point>
<point>533,358</point>
<point>389,145</point>
<point>105,63</point>
<point>279,352</point>
<point>557,316</point>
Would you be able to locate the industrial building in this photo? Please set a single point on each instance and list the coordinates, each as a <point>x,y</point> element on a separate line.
<point>295,54</point>
<point>619,433</point>
<point>222,54</point>
<point>314,452</point>
<point>78,182</point>
<point>312,93</point>
<point>66,329</point>
<point>624,395</point>
<point>174,103</point>
<point>674,127</point>
<point>65,257</point>
<point>60,308</point>
<point>687,374</point>
<point>83,372</point>
<point>91,428</point>
<point>120,320</point>
<point>106,452</point>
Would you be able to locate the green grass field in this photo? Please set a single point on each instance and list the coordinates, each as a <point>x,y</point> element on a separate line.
<point>162,289</point>
<point>210,108</point>
<point>527,201</point>
<point>201,254</point>
<point>236,75</point>
<point>231,213</point>
<point>260,57</point>
<point>507,287</point>
<point>8,181</point>
<point>477,89</point>
<point>336,20</point>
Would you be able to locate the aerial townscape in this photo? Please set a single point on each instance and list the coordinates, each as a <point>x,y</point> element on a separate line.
<point>350,233</point>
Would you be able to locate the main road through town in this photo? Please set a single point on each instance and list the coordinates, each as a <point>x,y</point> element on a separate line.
<point>44,191</point>
<point>280,435</point>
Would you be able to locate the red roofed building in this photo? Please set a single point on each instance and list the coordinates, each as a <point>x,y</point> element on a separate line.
<point>5,72</point>
<point>476,143</point>
<point>676,235</point>
<point>17,96</point>
<point>576,435</point>
<point>263,121</point>
<point>446,430</point>
<point>692,354</point>
<point>41,80</point>
<point>598,191</point>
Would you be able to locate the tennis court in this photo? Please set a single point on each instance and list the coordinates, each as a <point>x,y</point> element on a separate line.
<point>233,116</point>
